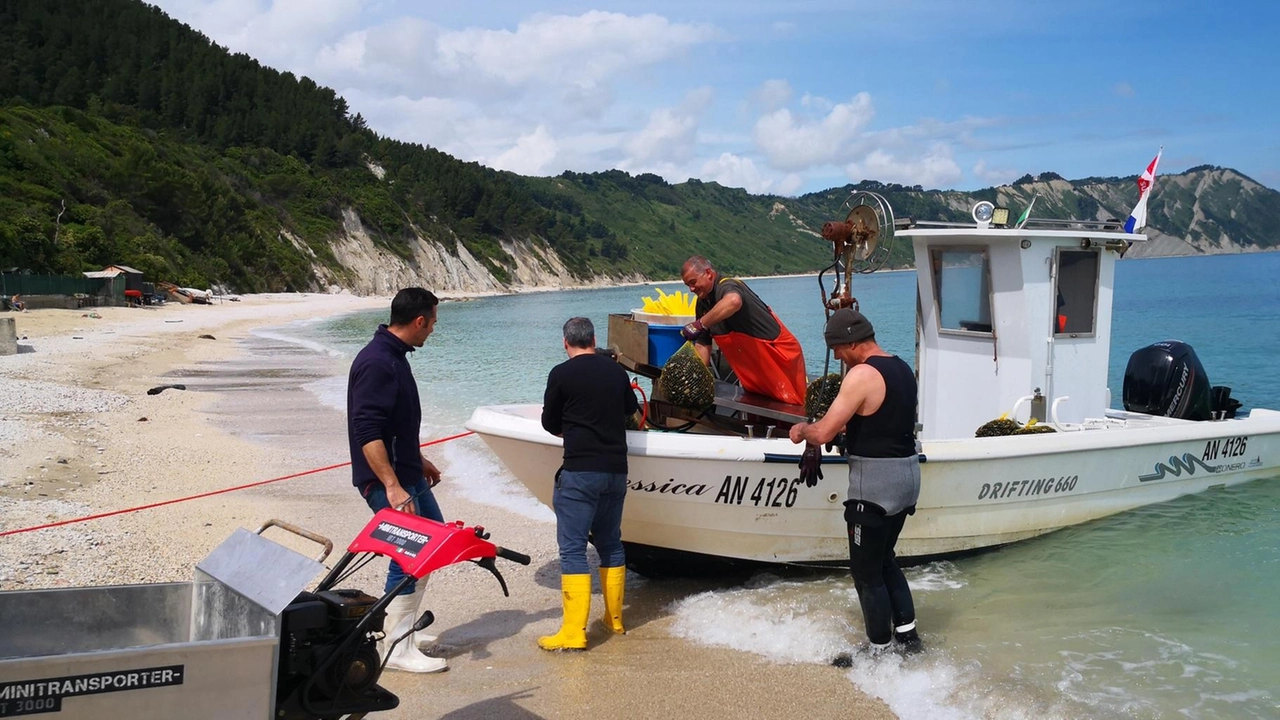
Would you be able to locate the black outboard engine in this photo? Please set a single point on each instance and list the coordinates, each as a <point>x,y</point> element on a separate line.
<point>1167,379</point>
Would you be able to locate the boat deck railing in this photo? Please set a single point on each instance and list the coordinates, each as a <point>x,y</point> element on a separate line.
<point>1032,223</point>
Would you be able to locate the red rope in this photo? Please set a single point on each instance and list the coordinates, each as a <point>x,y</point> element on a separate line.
<point>205,495</point>
<point>644,408</point>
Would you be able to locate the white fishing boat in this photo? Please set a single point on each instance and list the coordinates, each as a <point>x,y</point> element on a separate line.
<point>1012,319</point>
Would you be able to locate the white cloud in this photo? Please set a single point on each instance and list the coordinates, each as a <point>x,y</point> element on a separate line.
<point>668,136</point>
<point>544,93</point>
<point>573,55</point>
<point>790,184</point>
<point>531,154</point>
<point>735,171</point>
<point>772,94</point>
<point>284,33</point>
<point>828,135</point>
<point>797,143</point>
<point>816,103</point>
<point>994,176</point>
<point>671,134</point>
<point>586,101</point>
<point>582,49</point>
<point>934,168</point>
<point>1123,89</point>
<point>455,126</point>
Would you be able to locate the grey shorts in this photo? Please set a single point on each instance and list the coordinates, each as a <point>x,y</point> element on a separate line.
<point>891,483</point>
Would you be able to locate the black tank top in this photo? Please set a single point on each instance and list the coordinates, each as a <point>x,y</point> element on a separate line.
<point>890,431</point>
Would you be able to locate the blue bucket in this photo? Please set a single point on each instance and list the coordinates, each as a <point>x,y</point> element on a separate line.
<point>664,341</point>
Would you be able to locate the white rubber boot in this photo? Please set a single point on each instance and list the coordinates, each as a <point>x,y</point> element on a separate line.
<point>401,614</point>
<point>421,638</point>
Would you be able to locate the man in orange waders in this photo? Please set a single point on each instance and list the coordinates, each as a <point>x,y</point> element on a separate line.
<point>764,355</point>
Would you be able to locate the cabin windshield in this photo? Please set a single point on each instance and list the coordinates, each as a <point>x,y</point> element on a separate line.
<point>962,286</point>
<point>1077,293</point>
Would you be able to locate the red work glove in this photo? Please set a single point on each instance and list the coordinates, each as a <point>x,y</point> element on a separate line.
<point>811,464</point>
<point>692,331</point>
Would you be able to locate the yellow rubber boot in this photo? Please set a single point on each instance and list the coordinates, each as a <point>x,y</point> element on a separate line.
<point>613,581</point>
<point>576,592</point>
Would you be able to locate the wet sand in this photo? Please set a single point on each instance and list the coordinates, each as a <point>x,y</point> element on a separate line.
<point>247,416</point>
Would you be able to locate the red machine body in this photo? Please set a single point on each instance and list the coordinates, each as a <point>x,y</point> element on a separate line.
<point>419,545</point>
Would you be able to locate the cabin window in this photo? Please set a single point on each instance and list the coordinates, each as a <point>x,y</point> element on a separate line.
<point>1077,292</point>
<point>962,286</point>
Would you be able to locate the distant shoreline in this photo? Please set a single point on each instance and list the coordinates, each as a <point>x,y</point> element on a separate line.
<point>462,295</point>
<point>465,295</point>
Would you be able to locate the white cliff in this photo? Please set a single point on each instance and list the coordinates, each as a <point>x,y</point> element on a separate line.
<point>441,263</point>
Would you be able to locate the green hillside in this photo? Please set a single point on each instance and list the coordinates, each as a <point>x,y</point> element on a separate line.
<point>278,143</point>
<point>127,137</point>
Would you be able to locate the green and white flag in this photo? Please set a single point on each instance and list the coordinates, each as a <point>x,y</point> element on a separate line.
<point>1022,219</point>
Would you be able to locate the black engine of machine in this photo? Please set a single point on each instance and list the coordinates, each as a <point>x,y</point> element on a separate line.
<point>322,669</point>
<point>328,664</point>
<point>1166,378</point>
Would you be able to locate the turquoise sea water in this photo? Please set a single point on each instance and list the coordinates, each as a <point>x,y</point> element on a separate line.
<point>1166,611</point>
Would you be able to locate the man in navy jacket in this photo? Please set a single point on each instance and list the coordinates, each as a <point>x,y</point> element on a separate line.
<point>384,415</point>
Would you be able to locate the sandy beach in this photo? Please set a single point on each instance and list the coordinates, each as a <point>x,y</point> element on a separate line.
<point>80,435</point>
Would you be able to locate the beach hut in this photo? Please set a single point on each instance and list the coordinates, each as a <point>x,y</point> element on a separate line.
<point>132,277</point>
<point>134,287</point>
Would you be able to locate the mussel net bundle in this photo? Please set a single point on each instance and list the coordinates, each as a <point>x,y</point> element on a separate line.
<point>819,395</point>
<point>685,381</point>
<point>1005,426</point>
<point>998,427</point>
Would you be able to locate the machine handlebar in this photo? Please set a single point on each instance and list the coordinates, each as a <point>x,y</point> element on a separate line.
<point>512,555</point>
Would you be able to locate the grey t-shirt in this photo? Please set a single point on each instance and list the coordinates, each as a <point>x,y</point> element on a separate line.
<point>754,318</point>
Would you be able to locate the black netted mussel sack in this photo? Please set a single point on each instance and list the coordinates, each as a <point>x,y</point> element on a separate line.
<point>685,381</point>
<point>820,394</point>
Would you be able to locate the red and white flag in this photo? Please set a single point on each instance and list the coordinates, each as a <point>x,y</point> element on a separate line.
<point>1138,218</point>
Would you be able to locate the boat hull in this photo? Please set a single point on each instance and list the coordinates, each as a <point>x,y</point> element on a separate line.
<point>742,498</point>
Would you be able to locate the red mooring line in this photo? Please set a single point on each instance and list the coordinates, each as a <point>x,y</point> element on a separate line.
<point>205,495</point>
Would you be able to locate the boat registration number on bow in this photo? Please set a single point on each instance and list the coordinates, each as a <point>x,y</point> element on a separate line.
<point>765,492</point>
<point>1229,448</point>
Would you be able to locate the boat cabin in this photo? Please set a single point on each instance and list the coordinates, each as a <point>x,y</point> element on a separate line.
<point>1013,317</point>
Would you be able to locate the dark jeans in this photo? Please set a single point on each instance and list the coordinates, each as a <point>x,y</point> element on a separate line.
<point>589,503</point>
<point>426,506</point>
<point>883,592</point>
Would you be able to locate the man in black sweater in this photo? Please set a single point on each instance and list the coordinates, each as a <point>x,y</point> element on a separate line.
<point>587,402</point>
<point>384,415</point>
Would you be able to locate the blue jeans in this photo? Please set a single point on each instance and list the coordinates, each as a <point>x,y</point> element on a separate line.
<point>427,507</point>
<point>589,502</point>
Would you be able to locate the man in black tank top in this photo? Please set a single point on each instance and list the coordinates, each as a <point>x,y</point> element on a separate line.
<point>876,409</point>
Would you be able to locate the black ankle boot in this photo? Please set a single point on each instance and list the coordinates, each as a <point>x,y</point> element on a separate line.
<point>908,641</point>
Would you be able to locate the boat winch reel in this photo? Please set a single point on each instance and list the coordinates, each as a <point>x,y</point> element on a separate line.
<point>860,244</point>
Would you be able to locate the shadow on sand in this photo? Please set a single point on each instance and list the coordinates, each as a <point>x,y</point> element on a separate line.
<point>473,638</point>
<point>503,706</point>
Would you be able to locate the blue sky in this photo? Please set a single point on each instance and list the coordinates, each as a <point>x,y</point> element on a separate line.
<point>791,97</point>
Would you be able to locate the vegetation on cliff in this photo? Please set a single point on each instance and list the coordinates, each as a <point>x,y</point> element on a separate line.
<point>127,137</point>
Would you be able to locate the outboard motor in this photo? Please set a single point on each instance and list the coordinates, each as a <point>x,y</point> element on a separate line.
<point>1167,379</point>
